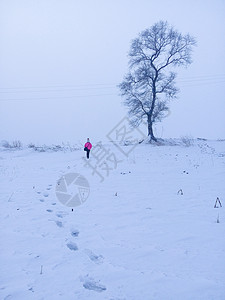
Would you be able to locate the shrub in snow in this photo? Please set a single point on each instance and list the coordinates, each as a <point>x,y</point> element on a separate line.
<point>217,201</point>
<point>201,139</point>
<point>15,144</point>
<point>5,144</point>
<point>187,141</point>
<point>180,192</point>
<point>31,145</point>
<point>54,148</point>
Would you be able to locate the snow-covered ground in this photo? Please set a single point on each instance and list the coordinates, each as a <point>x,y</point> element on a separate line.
<point>136,237</point>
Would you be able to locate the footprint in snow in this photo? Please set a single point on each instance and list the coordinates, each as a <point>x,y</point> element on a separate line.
<point>54,203</point>
<point>59,215</point>
<point>48,188</point>
<point>91,284</point>
<point>75,233</point>
<point>59,223</point>
<point>72,246</point>
<point>42,200</point>
<point>49,210</point>
<point>45,195</point>
<point>8,297</point>
<point>97,259</point>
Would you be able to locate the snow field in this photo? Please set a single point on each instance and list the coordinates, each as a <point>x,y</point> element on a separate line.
<point>136,236</point>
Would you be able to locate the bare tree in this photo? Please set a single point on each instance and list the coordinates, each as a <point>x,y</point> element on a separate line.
<point>150,83</point>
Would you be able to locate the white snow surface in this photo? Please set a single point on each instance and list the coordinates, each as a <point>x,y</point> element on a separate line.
<point>135,237</point>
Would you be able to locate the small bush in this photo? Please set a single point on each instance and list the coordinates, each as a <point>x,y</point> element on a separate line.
<point>54,148</point>
<point>5,144</point>
<point>31,145</point>
<point>16,144</point>
<point>187,141</point>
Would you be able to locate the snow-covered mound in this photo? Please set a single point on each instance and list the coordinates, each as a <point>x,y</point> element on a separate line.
<point>148,229</point>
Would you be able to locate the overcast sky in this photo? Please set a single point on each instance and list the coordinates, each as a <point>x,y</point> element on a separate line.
<point>61,62</point>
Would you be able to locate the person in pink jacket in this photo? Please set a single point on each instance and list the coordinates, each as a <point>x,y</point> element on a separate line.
<point>87,147</point>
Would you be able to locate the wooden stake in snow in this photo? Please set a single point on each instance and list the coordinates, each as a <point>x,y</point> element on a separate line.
<point>217,200</point>
<point>10,197</point>
<point>218,219</point>
<point>41,270</point>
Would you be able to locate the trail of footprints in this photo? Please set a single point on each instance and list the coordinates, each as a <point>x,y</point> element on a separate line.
<point>88,282</point>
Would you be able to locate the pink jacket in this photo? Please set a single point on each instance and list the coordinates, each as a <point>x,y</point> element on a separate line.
<point>88,145</point>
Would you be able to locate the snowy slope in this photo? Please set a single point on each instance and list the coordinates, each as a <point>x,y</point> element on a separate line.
<point>135,238</point>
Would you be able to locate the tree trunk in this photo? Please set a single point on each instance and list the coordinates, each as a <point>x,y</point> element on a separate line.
<point>150,129</point>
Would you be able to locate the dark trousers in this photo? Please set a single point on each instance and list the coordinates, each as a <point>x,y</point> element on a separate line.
<point>88,151</point>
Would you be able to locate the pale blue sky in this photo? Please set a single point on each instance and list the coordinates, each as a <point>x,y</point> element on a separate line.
<point>60,63</point>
